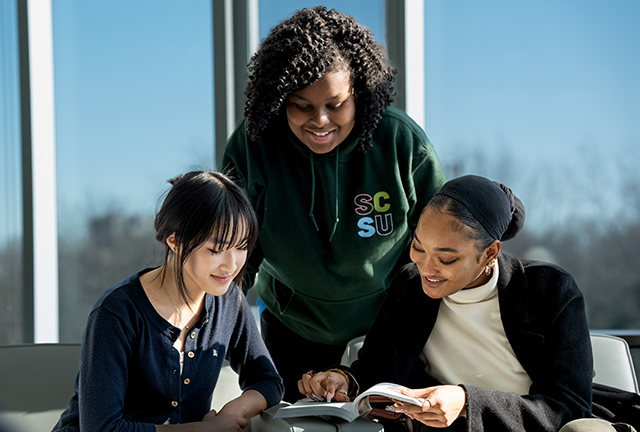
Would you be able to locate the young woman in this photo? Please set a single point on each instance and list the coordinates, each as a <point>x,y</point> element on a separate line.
<point>154,344</point>
<point>492,342</point>
<point>337,177</point>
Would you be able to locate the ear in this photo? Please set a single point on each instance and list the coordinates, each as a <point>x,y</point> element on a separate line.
<point>492,251</point>
<point>172,243</point>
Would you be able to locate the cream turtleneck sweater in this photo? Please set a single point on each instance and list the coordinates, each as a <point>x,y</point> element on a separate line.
<point>468,344</point>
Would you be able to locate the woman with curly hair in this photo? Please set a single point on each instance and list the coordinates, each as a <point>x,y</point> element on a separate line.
<point>337,177</point>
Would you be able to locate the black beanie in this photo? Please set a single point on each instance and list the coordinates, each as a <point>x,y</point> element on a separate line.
<point>496,208</point>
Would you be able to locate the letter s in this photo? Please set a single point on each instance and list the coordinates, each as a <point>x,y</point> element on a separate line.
<point>363,204</point>
<point>367,226</point>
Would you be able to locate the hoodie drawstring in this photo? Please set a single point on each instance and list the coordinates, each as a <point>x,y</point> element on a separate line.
<point>313,193</point>
<point>335,224</point>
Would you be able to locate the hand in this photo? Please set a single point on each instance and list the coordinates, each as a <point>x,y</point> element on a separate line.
<point>213,421</point>
<point>442,405</point>
<point>330,385</point>
<point>247,405</point>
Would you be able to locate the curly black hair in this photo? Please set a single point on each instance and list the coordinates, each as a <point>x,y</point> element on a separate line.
<point>300,50</point>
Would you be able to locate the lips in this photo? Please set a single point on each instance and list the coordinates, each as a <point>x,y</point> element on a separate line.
<point>432,282</point>
<point>320,136</point>
<point>222,279</point>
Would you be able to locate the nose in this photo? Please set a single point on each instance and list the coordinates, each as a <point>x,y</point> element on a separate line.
<point>228,263</point>
<point>320,117</point>
<point>428,266</point>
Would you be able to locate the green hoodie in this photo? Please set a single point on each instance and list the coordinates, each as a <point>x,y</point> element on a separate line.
<point>334,227</point>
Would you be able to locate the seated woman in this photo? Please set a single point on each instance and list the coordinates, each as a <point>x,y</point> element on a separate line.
<point>154,344</point>
<point>496,344</point>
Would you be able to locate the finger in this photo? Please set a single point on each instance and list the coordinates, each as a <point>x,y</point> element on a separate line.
<point>304,384</point>
<point>317,384</point>
<point>242,422</point>
<point>330,385</point>
<point>341,395</point>
<point>422,392</point>
<point>427,405</point>
<point>301,387</point>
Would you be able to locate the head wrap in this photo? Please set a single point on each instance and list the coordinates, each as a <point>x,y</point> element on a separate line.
<point>486,200</point>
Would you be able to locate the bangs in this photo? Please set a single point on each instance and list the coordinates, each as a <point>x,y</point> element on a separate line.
<point>234,231</point>
<point>233,224</point>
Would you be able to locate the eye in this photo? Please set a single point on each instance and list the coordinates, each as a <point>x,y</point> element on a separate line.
<point>335,107</point>
<point>303,107</point>
<point>214,251</point>
<point>448,262</point>
<point>415,247</point>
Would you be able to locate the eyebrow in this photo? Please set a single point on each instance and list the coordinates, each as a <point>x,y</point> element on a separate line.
<point>438,249</point>
<point>332,98</point>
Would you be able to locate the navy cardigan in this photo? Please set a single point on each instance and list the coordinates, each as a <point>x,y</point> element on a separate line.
<point>544,318</point>
<point>129,378</point>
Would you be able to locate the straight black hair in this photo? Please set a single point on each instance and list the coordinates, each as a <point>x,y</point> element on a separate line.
<point>200,206</point>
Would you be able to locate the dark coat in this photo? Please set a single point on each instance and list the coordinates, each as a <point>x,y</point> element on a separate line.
<point>543,314</point>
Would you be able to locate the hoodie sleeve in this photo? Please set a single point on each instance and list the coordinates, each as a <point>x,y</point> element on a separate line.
<point>238,163</point>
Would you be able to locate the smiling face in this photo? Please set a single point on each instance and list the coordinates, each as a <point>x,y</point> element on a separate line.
<point>211,267</point>
<point>447,259</point>
<point>323,114</point>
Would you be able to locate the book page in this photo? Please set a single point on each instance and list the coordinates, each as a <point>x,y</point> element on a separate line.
<point>392,391</point>
<point>306,407</point>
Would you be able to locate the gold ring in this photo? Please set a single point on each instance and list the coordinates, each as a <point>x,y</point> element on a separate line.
<point>343,391</point>
<point>310,373</point>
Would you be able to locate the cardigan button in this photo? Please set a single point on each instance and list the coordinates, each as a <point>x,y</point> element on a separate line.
<point>187,381</point>
<point>174,403</point>
<point>191,354</point>
<point>193,335</point>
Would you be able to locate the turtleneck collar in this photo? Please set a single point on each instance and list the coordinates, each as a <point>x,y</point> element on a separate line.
<point>477,294</point>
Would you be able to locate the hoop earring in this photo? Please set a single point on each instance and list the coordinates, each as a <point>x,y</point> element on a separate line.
<point>489,267</point>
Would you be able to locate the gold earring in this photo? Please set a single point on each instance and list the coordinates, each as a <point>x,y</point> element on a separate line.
<point>489,267</point>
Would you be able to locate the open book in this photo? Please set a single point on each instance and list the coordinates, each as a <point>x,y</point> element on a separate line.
<point>346,410</point>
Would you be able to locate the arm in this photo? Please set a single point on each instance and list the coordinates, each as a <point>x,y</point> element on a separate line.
<point>210,423</point>
<point>249,357</point>
<point>553,346</point>
<point>389,353</point>
<point>237,164</point>
<point>247,405</point>
<point>103,375</point>
<point>545,322</point>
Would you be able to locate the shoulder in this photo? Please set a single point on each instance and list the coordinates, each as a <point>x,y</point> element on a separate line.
<point>238,139</point>
<point>407,286</point>
<point>122,301</point>
<point>398,130</point>
<point>544,286</point>
<point>398,121</point>
<point>534,271</point>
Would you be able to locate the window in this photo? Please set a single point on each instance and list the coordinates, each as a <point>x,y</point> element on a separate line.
<point>134,108</point>
<point>10,180</point>
<point>545,98</point>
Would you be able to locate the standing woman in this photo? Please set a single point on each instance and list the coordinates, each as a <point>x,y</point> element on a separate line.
<point>154,344</point>
<point>337,177</point>
<point>492,342</point>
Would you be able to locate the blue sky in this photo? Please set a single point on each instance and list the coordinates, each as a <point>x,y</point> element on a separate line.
<point>550,84</point>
